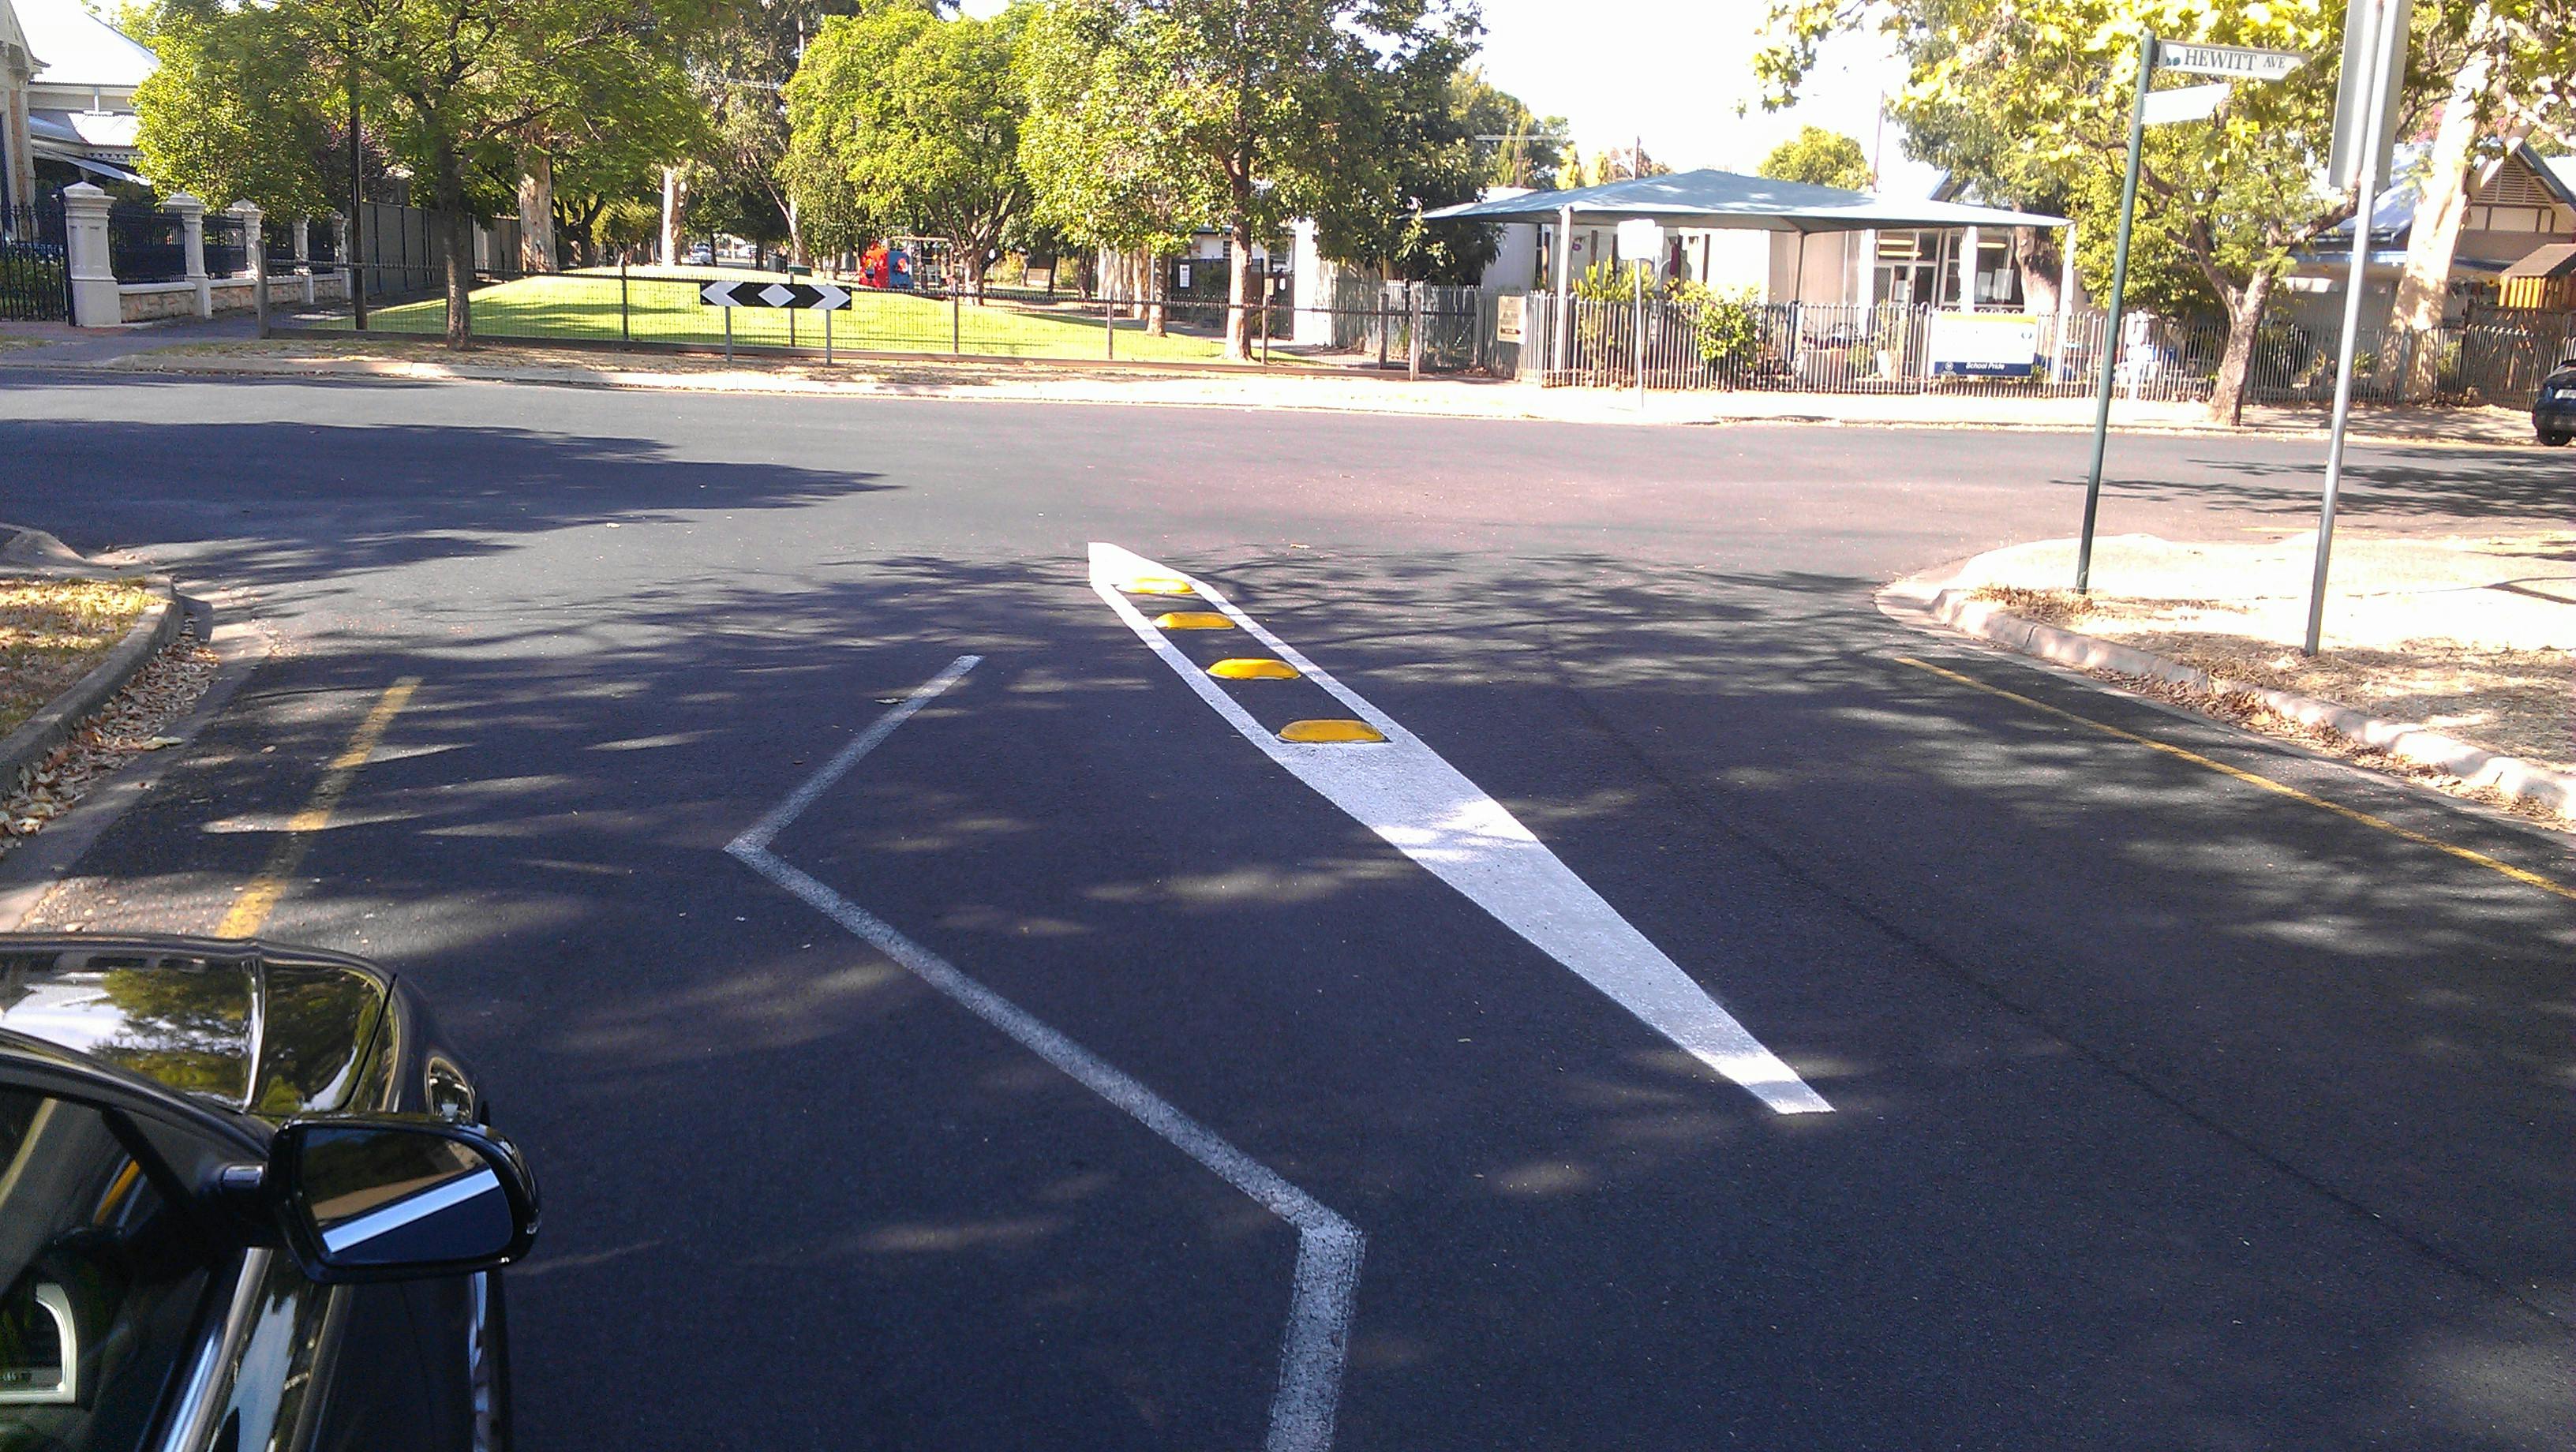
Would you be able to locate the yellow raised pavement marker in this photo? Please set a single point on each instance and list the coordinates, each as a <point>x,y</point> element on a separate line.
<point>1158,585</point>
<point>1315,733</point>
<point>1249,668</point>
<point>1193,620</point>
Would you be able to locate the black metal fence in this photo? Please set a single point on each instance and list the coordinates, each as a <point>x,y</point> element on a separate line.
<point>227,245</point>
<point>35,263</point>
<point>145,244</point>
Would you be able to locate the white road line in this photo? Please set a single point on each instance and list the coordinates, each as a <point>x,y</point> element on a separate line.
<point>1326,1280</point>
<point>1407,794</point>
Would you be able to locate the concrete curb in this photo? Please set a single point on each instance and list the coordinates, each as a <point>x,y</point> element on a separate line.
<point>53,724</point>
<point>30,874</point>
<point>2476,765</point>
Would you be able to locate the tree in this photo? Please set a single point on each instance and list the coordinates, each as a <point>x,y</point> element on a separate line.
<point>913,120</point>
<point>2222,203</point>
<point>1276,108</point>
<point>1819,157</point>
<point>1426,156</point>
<point>1523,149</point>
<point>223,120</point>
<point>1626,163</point>
<point>452,85</point>
<point>2512,68</point>
<point>1104,157</point>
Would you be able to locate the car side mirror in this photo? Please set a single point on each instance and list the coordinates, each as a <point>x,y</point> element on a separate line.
<point>393,1197</point>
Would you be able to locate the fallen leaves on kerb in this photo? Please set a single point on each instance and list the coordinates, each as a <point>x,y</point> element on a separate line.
<point>134,721</point>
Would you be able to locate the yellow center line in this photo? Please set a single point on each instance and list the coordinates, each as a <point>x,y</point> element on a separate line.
<point>251,910</point>
<point>2528,879</point>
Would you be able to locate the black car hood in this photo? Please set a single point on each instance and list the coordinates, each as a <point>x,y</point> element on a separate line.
<point>267,1035</point>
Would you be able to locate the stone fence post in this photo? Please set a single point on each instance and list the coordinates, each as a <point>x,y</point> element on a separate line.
<point>304,255</point>
<point>95,300</point>
<point>192,246</point>
<point>255,252</point>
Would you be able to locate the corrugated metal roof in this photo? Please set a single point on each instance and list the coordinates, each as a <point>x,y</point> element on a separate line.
<point>75,48</point>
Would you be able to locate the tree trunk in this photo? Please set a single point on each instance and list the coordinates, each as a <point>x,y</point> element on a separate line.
<point>2244,318</point>
<point>536,211</point>
<point>2425,285</point>
<point>1238,289</point>
<point>2038,268</point>
<point>1157,293</point>
<point>671,216</point>
<point>447,189</point>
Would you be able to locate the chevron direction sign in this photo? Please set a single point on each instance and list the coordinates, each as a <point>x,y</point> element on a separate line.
<point>812,297</point>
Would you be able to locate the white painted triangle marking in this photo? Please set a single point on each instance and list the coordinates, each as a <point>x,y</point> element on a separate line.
<point>717,294</point>
<point>1428,810</point>
<point>829,296</point>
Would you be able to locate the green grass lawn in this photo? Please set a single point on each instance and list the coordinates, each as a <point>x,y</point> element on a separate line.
<point>666,309</point>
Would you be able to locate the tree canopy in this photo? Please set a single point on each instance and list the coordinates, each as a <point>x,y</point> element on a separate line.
<point>1820,157</point>
<point>2028,96</point>
<point>903,120</point>
<point>450,88</point>
<point>1268,112</point>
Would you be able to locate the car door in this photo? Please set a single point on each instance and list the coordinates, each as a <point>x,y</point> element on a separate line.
<point>107,1277</point>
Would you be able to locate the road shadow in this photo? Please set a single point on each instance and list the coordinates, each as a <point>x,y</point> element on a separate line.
<point>2168,1111</point>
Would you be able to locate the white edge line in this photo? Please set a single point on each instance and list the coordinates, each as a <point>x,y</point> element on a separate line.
<point>759,834</point>
<point>1325,1284</point>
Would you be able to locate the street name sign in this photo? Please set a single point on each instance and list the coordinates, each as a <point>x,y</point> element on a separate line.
<point>2189,103</point>
<point>811,297</point>
<point>2233,61</point>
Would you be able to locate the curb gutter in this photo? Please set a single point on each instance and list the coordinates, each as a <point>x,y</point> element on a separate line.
<point>39,734</point>
<point>358,370</point>
<point>2476,765</point>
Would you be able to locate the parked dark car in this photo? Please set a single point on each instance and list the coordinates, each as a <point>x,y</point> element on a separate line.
<point>2553,414</point>
<point>249,1202</point>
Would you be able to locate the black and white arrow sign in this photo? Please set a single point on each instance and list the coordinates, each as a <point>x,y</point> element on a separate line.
<point>812,297</point>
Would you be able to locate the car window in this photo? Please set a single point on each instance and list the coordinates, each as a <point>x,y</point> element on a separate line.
<point>101,1279</point>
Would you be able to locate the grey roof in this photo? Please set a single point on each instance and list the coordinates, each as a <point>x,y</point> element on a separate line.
<point>1721,199</point>
<point>75,48</point>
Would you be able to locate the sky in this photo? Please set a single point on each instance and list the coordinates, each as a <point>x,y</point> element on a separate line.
<point>1672,73</point>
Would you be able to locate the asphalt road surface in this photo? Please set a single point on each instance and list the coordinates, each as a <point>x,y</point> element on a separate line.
<point>1061,1064</point>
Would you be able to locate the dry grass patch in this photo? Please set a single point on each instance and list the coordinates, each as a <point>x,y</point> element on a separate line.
<point>53,632</point>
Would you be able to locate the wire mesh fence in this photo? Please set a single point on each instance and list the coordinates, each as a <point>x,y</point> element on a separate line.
<point>665,306</point>
<point>1424,331</point>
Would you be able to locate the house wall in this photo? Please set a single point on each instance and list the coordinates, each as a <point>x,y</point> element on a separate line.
<point>1515,264</point>
<point>17,163</point>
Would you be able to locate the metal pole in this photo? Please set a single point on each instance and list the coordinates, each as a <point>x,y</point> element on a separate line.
<point>2111,321</point>
<point>1109,321</point>
<point>827,335</point>
<point>357,203</point>
<point>728,312</point>
<point>1413,330</point>
<point>2382,46</point>
<point>954,334</point>
<point>625,329</point>
<point>1638,343</point>
<point>1266,281</point>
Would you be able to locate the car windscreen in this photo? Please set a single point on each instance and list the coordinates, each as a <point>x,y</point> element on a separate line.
<point>101,1281</point>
